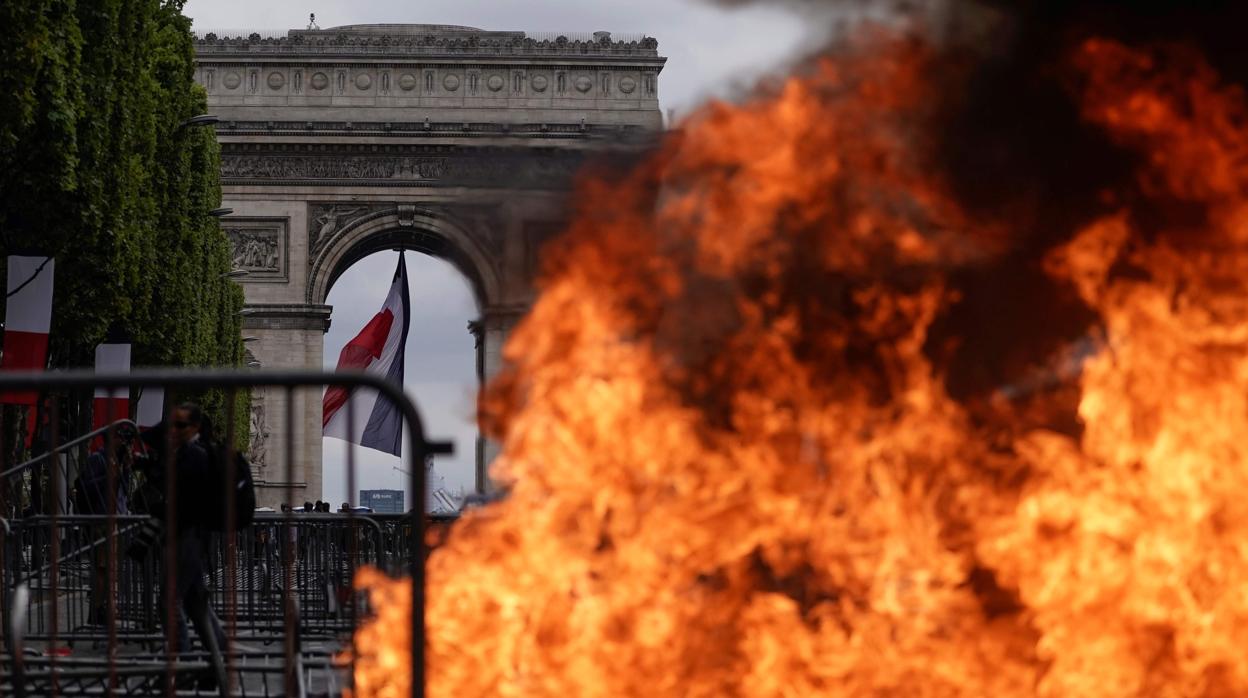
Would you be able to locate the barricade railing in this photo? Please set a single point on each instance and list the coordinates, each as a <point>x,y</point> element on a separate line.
<point>97,581</point>
<point>398,529</point>
<point>20,483</point>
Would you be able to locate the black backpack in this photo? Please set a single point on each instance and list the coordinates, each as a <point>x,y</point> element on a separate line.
<point>244,492</point>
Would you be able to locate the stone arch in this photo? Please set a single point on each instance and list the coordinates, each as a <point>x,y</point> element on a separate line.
<point>411,228</point>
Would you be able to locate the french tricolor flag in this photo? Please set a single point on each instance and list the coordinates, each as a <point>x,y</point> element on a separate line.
<point>27,320</point>
<point>110,405</point>
<point>377,349</point>
<point>151,409</point>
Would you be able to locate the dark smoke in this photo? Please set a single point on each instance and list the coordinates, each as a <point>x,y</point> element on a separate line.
<point>1014,149</point>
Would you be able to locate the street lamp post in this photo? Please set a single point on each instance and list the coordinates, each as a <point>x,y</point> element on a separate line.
<point>200,120</point>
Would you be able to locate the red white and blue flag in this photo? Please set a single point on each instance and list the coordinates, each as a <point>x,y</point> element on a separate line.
<point>111,404</point>
<point>377,349</point>
<point>151,409</point>
<point>28,318</point>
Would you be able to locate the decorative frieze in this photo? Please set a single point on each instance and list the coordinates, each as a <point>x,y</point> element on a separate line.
<point>501,82</point>
<point>401,165</point>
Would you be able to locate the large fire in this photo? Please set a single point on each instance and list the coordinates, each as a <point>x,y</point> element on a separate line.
<point>736,465</point>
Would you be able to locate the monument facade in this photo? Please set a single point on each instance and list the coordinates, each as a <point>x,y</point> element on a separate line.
<point>452,141</point>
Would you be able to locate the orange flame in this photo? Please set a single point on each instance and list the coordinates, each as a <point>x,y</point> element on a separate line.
<point>383,658</point>
<point>735,470</point>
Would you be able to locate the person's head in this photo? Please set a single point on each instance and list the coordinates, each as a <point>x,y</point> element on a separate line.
<point>188,418</point>
<point>123,443</point>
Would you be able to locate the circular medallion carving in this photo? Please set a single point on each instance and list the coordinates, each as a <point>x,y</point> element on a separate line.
<point>539,83</point>
<point>583,83</point>
<point>320,81</point>
<point>363,81</point>
<point>627,85</point>
<point>231,80</point>
<point>276,81</point>
<point>407,82</point>
<point>451,82</point>
<point>495,83</point>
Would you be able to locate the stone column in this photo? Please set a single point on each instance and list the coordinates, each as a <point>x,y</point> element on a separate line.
<point>290,336</point>
<point>492,331</point>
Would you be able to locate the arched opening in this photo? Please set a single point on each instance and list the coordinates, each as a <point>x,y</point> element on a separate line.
<point>442,364</point>
<point>432,232</point>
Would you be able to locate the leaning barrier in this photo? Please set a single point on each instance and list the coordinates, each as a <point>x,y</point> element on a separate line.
<point>81,616</point>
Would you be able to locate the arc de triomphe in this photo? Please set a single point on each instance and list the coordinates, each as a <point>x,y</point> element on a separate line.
<point>452,141</point>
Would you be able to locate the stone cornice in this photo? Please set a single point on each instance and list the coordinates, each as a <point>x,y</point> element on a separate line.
<point>382,41</point>
<point>557,62</point>
<point>286,316</point>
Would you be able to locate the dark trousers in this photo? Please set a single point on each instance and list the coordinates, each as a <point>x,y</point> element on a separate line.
<point>191,596</point>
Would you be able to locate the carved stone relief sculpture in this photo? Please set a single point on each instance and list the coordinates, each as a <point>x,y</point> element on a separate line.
<point>257,448</point>
<point>544,170</point>
<point>259,248</point>
<point>298,82</point>
<point>326,219</point>
<point>333,167</point>
<point>253,80</point>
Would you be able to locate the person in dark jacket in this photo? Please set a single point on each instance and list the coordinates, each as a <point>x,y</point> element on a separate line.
<point>188,434</point>
<point>91,494</point>
<point>92,497</point>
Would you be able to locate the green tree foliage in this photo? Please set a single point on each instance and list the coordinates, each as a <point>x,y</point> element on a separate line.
<point>97,171</point>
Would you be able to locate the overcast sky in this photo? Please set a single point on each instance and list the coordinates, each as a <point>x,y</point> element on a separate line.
<point>710,51</point>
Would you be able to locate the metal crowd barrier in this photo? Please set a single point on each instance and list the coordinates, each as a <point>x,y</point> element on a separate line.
<point>80,616</point>
<point>21,482</point>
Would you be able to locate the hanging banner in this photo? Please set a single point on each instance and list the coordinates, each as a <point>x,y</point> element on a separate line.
<point>110,406</point>
<point>27,321</point>
<point>151,407</point>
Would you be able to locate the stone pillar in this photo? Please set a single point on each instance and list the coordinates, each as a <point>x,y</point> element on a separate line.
<point>491,331</point>
<point>289,336</point>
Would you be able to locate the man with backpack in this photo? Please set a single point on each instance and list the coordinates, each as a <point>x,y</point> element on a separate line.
<point>189,435</point>
<point>204,483</point>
